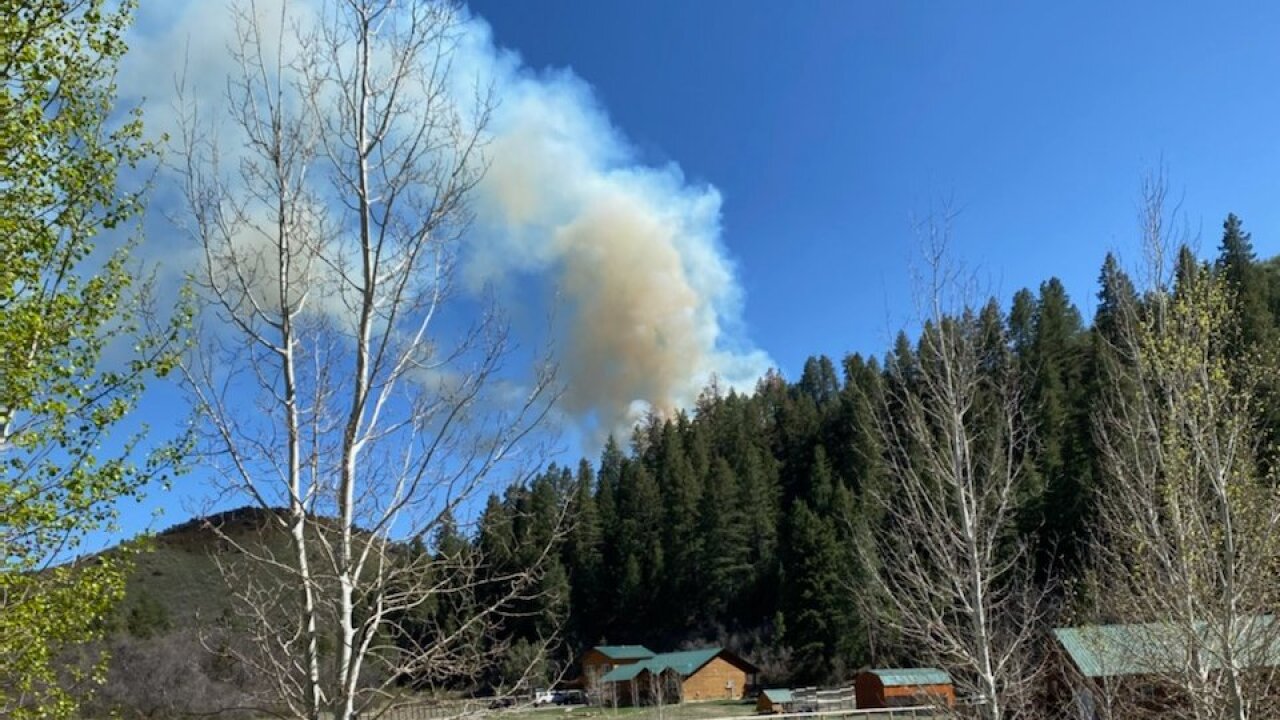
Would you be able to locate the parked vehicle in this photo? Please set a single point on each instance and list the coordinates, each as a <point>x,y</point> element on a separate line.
<point>570,697</point>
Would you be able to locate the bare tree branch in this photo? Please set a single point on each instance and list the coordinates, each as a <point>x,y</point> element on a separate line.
<point>334,378</point>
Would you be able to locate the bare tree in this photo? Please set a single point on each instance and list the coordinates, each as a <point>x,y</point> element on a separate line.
<point>1188,542</point>
<point>661,688</point>
<point>595,689</point>
<point>656,692</point>
<point>338,376</point>
<point>159,677</point>
<point>953,576</point>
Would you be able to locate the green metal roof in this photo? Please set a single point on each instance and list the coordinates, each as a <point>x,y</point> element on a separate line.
<point>896,677</point>
<point>685,662</point>
<point>1149,648</point>
<point>624,652</point>
<point>778,695</point>
<point>623,672</point>
<point>1114,650</point>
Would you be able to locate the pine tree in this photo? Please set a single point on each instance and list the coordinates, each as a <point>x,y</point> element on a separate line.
<point>760,505</point>
<point>818,381</point>
<point>1116,298</point>
<point>639,546</point>
<point>552,608</point>
<point>680,540</point>
<point>1237,264</point>
<point>815,595</point>
<point>848,519</point>
<point>547,497</point>
<point>496,537</point>
<point>1022,320</point>
<point>608,483</point>
<point>584,559</point>
<point>723,528</point>
<point>797,428</point>
<point>863,397</point>
<point>759,509</point>
<point>1058,357</point>
<point>1250,290</point>
<point>1186,268</point>
<point>448,540</point>
<point>821,482</point>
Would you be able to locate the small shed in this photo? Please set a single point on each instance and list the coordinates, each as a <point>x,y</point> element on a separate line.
<point>774,700</point>
<point>900,687</point>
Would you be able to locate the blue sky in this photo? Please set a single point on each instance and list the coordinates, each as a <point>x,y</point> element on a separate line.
<point>828,125</point>
<point>822,129</point>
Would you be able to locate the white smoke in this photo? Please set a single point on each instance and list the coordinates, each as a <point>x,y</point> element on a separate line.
<point>635,250</point>
<point>651,306</point>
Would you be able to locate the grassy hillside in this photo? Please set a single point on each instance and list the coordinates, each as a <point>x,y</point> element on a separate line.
<point>180,572</point>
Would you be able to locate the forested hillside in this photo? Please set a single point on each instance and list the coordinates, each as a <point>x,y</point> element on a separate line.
<point>738,521</point>
<point>749,521</point>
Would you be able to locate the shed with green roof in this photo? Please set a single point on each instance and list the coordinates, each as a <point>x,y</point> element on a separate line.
<point>900,687</point>
<point>775,700</point>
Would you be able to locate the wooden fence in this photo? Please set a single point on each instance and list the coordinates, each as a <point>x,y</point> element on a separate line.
<point>434,711</point>
<point>477,712</point>
<point>811,699</point>
<point>916,712</point>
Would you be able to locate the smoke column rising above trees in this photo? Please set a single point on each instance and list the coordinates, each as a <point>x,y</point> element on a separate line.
<point>648,303</point>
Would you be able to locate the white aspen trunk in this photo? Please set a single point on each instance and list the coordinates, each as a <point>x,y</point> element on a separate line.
<point>981,630</point>
<point>348,663</point>
<point>967,503</point>
<point>1232,622</point>
<point>297,508</point>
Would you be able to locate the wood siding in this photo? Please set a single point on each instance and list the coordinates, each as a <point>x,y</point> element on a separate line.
<point>871,693</point>
<point>595,659</point>
<point>594,665</point>
<point>711,682</point>
<point>903,695</point>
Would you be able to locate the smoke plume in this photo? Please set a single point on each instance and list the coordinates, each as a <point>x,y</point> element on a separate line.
<point>651,300</point>
<point>649,308</point>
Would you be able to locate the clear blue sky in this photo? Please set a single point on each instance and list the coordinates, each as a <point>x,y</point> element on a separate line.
<point>826,126</point>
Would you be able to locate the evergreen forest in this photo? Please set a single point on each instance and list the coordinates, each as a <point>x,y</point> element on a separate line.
<point>739,522</point>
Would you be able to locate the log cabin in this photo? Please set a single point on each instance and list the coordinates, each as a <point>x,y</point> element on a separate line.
<point>687,676</point>
<point>599,660</point>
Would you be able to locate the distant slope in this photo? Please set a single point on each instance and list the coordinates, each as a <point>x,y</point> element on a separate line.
<point>181,573</point>
<point>176,601</point>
